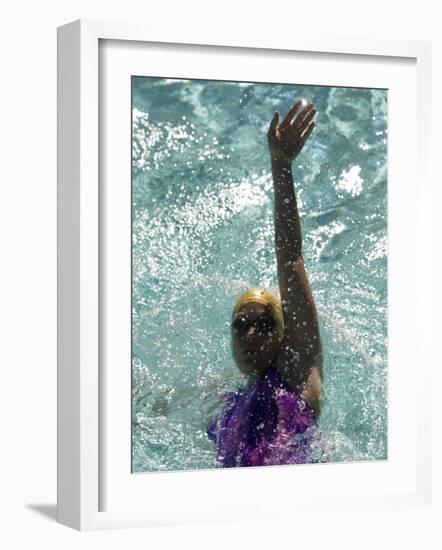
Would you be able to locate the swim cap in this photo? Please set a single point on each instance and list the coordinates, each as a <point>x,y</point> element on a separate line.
<point>265,297</point>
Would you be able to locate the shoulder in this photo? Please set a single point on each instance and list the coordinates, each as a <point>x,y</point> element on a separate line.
<point>312,391</point>
<point>304,380</point>
<point>288,364</point>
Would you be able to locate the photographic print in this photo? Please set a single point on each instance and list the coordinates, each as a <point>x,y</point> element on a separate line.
<point>259,274</point>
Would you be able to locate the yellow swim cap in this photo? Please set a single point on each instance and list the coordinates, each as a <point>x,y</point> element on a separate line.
<point>265,297</point>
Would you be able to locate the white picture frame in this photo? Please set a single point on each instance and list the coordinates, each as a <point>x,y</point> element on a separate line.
<point>80,437</point>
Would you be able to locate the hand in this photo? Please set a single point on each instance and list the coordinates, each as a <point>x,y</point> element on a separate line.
<point>287,139</point>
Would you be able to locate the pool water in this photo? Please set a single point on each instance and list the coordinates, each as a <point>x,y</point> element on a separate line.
<point>202,215</point>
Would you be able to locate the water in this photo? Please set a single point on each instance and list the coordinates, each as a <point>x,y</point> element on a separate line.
<point>203,233</point>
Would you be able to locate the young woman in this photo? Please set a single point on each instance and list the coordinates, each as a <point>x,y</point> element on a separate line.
<point>276,344</point>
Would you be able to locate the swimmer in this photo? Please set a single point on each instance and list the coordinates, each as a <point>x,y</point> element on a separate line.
<point>276,343</point>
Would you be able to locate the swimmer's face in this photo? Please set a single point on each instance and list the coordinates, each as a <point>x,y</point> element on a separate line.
<point>255,339</point>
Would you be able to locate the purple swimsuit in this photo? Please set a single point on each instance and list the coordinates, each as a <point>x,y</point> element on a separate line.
<point>265,424</point>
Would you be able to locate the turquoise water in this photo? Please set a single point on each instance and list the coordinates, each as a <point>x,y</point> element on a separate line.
<point>202,209</point>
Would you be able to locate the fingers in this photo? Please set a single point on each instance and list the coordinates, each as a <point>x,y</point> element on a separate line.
<point>273,125</point>
<point>288,138</point>
<point>304,118</point>
<point>307,132</point>
<point>291,113</point>
<point>274,122</point>
<point>298,116</point>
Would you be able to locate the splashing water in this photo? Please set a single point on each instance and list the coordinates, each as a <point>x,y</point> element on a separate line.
<point>202,208</point>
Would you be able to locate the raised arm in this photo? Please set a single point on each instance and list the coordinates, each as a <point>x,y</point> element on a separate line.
<point>300,360</point>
